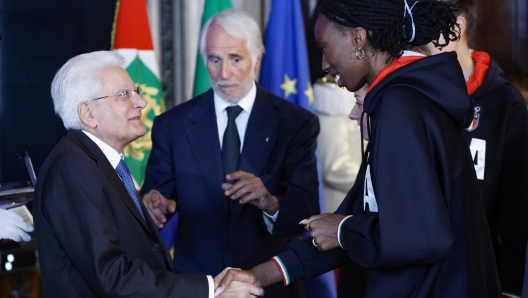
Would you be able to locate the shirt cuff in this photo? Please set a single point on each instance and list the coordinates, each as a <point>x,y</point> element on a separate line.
<point>269,221</point>
<point>274,216</point>
<point>283,271</point>
<point>339,230</point>
<point>211,286</point>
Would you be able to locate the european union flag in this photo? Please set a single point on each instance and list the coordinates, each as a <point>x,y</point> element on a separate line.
<point>285,70</point>
<point>285,73</point>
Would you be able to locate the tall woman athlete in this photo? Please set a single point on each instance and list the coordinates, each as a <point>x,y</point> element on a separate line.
<point>414,218</point>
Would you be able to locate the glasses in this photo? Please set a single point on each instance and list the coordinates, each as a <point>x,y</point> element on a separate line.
<point>128,94</point>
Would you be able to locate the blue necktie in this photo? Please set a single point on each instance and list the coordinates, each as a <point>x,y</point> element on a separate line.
<point>231,141</point>
<point>124,173</point>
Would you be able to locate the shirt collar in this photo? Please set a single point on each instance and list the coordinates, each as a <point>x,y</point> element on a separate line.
<point>407,53</point>
<point>245,103</point>
<point>111,154</point>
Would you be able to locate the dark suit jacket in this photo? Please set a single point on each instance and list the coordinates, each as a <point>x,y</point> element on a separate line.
<point>186,165</point>
<point>92,241</point>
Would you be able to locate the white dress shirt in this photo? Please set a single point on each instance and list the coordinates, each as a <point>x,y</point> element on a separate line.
<point>114,158</point>
<point>241,121</point>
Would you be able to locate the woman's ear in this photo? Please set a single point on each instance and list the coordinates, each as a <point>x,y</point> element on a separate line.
<point>359,37</point>
<point>85,113</point>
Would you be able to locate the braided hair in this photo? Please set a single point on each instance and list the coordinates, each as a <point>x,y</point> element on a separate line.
<point>388,29</point>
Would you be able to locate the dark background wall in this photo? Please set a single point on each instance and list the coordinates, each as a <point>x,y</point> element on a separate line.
<point>502,31</point>
<point>38,37</point>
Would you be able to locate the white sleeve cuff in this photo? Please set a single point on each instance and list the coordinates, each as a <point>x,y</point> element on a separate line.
<point>339,230</point>
<point>211,286</point>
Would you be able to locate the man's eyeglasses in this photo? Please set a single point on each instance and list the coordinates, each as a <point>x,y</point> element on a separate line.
<point>128,94</point>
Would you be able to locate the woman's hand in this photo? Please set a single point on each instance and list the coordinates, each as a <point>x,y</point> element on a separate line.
<point>323,230</point>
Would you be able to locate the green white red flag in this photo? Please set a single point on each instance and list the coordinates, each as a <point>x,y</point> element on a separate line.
<point>132,39</point>
<point>202,82</point>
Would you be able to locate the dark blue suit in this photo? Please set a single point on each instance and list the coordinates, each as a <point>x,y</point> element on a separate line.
<point>186,165</point>
<point>92,240</point>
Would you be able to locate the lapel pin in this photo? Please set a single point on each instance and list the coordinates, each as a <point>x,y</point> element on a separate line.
<point>267,139</point>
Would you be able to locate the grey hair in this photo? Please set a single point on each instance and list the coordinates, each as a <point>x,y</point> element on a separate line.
<point>80,80</point>
<point>239,25</point>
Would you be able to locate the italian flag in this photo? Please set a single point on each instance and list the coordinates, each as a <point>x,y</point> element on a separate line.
<point>131,39</point>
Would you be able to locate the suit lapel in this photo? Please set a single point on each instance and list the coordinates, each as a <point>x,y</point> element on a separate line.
<point>261,134</point>
<point>93,151</point>
<point>204,142</point>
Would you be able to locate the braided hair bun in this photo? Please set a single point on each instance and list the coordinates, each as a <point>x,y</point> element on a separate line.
<point>393,25</point>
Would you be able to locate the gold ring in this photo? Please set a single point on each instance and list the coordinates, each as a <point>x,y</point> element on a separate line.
<point>313,242</point>
<point>307,227</point>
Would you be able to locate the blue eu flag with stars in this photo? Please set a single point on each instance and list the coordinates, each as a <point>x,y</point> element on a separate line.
<point>284,70</point>
<point>285,73</point>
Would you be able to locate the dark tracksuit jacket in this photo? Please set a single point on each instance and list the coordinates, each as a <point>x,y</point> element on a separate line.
<point>498,138</point>
<point>422,230</point>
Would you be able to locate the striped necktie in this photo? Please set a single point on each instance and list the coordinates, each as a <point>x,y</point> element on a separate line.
<point>124,173</point>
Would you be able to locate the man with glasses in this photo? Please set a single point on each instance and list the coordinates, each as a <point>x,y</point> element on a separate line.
<point>95,237</point>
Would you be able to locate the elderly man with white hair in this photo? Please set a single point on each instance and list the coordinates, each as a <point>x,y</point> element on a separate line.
<point>94,236</point>
<point>237,163</point>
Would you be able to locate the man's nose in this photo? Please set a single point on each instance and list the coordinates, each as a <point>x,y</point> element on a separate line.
<point>226,71</point>
<point>139,101</point>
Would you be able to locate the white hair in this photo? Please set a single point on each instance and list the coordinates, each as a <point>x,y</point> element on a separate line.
<point>80,80</point>
<point>239,25</point>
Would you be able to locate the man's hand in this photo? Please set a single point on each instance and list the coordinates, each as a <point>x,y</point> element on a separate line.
<point>226,278</point>
<point>221,275</point>
<point>250,189</point>
<point>158,206</point>
<point>238,284</point>
<point>262,275</point>
<point>323,229</point>
<point>238,289</point>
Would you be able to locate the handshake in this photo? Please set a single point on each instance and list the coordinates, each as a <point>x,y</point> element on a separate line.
<point>236,283</point>
<point>232,283</point>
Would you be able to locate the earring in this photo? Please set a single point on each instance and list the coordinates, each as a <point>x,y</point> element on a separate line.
<point>360,54</point>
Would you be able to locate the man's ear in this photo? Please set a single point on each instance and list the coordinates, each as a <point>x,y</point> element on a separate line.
<point>257,65</point>
<point>85,113</point>
<point>461,21</point>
